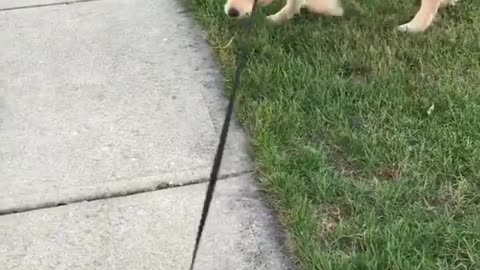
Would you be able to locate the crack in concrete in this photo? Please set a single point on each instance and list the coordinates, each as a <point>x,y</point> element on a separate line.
<point>47,5</point>
<point>158,187</point>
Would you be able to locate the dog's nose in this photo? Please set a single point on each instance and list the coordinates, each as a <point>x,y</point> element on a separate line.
<point>233,12</point>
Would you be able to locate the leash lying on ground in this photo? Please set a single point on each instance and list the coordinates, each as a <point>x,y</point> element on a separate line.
<point>242,59</point>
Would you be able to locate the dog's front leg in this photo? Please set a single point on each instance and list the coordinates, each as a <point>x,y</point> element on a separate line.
<point>287,12</point>
<point>424,17</point>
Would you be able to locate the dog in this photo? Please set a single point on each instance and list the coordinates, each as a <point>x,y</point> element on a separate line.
<point>421,22</point>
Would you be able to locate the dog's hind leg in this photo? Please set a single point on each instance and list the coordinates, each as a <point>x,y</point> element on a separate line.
<point>424,17</point>
<point>287,12</point>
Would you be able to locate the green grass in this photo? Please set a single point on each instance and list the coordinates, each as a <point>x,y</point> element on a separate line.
<point>362,176</point>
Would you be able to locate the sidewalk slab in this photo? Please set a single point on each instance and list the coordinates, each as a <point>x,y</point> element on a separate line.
<point>99,96</point>
<point>154,230</point>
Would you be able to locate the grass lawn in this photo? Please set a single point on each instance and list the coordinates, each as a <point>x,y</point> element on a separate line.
<point>366,140</point>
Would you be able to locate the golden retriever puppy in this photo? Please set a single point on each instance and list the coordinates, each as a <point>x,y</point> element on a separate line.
<point>422,20</point>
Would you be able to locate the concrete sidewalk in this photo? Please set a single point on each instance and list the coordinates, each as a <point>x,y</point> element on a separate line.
<point>110,112</point>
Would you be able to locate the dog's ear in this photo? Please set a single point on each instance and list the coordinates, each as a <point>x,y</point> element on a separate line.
<point>264,2</point>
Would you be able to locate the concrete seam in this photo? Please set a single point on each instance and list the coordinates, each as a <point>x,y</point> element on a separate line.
<point>47,5</point>
<point>158,187</point>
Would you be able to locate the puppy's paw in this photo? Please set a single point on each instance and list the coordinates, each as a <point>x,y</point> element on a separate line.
<point>278,18</point>
<point>275,19</point>
<point>324,7</point>
<point>335,8</point>
<point>337,11</point>
<point>446,3</point>
<point>411,28</point>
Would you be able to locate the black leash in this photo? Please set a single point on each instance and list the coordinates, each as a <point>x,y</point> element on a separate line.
<point>223,138</point>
